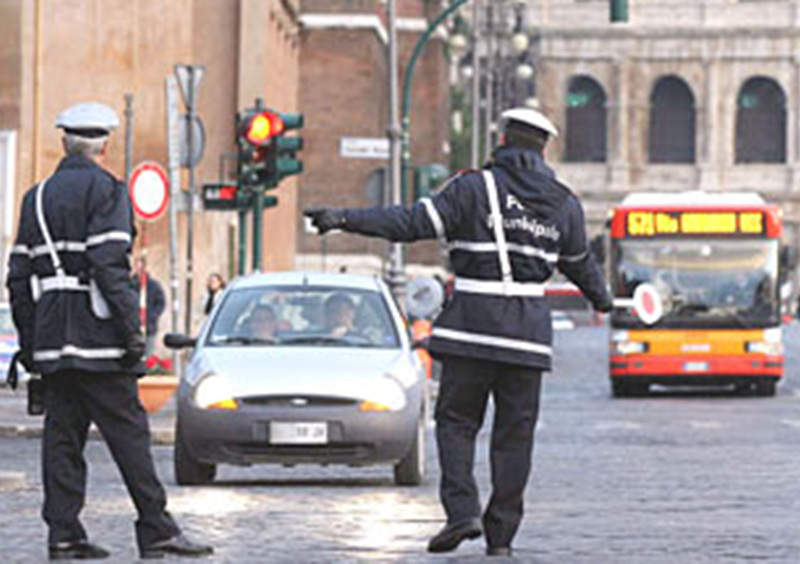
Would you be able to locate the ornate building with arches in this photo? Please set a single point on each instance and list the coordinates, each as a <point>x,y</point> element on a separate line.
<point>689,94</point>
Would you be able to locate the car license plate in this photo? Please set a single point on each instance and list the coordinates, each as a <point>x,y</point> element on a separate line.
<point>283,433</point>
<point>695,367</point>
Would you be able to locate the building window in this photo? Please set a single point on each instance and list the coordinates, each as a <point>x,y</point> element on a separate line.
<point>761,122</point>
<point>586,121</point>
<point>672,122</point>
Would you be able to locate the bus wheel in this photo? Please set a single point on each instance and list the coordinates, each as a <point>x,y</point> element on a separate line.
<point>765,388</point>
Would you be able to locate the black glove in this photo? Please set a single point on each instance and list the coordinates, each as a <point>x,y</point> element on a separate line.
<point>134,350</point>
<point>605,305</point>
<point>325,219</point>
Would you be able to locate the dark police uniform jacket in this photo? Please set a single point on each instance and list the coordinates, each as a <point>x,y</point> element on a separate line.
<point>498,312</point>
<point>89,216</point>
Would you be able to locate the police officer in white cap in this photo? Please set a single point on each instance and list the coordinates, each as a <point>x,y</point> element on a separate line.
<point>77,315</point>
<point>509,227</point>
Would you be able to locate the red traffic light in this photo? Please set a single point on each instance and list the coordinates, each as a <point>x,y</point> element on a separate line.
<point>262,127</point>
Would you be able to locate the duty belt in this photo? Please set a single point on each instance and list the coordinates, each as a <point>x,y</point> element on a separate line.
<point>498,288</point>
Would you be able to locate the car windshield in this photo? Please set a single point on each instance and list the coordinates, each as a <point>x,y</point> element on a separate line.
<point>303,316</point>
<point>702,283</point>
<point>6,323</point>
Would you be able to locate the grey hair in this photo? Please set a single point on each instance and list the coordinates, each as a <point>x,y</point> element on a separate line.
<point>86,146</point>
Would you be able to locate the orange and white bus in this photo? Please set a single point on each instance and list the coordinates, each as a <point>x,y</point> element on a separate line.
<point>715,260</point>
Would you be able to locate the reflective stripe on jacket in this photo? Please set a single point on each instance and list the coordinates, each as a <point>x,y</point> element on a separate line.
<point>498,312</point>
<point>89,216</point>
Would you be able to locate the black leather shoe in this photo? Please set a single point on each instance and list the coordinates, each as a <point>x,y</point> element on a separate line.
<point>452,534</point>
<point>499,551</point>
<point>178,545</point>
<point>77,550</point>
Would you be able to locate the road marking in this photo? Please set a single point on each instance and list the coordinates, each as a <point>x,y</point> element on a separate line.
<point>617,425</point>
<point>795,423</point>
<point>706,425</point>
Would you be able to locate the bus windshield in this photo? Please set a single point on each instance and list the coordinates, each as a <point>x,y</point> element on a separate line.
<point>712,283</point>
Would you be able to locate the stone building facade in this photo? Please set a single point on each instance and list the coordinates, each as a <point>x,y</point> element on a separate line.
<point>689,94</point>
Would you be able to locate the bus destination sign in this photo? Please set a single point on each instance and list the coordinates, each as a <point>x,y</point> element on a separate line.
<point>677,223</point>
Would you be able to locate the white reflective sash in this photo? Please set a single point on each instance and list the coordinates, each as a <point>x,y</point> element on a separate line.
<point>491,247</point>
<point>72,350</point>
<point>433,215</point>
<point>62,283</point>
<point>492,341</point>
<point>498,288</point>
<point>497,224</point>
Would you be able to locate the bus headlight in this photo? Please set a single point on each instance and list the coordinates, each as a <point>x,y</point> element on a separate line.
<point>628,347</point>
<point>764,347</point>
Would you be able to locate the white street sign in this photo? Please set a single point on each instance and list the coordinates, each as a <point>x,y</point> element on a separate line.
<point>364,148</point>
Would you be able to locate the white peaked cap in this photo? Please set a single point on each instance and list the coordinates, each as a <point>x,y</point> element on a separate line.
<point>89,115</point>
<point>529,117</point>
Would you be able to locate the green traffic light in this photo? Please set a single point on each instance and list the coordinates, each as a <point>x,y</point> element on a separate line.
<point>292,121</point>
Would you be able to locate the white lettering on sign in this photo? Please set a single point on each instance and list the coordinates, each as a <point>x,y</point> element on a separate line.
<point>364,148</point>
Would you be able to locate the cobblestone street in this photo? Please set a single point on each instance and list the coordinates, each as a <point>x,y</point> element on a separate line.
<point>674,478</point>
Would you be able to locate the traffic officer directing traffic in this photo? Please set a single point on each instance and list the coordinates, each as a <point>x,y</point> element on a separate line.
<point>508,227</point>
<point>77,315</point>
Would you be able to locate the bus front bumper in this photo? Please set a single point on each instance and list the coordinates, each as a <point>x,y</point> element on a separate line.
<point>696,369</point>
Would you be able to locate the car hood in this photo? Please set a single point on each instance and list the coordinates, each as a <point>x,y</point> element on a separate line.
<point>339,372</point>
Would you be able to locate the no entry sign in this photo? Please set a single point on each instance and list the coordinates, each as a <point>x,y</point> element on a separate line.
<point>149,190</point>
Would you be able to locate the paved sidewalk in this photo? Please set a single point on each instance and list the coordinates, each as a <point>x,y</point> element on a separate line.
<point>15,422</point>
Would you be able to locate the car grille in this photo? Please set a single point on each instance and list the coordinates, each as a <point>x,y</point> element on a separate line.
<point>339,452</point>
<point>297,401</point>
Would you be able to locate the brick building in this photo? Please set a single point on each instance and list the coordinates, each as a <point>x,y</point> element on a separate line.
<point>344,95</point>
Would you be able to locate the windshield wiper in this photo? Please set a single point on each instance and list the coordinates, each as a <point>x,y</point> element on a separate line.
<point>245,340</point>
<point>691,307</point>
<point>323,340</point>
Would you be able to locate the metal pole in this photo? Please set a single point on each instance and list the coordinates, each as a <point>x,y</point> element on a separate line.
<point>397,267</point>
<point>171,88</point>
<point>476,84</point>
<point>407,82</point>
<point>242,241</point>
<point>489,112</point>
<point>258,228</point>
<point>190,215</point>
<point>128,137</point>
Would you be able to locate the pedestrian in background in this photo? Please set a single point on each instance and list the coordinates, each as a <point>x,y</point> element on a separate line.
<point>508,227</point>
<point>214,288</point>
<point>77,315</point>
<point>151,303</point>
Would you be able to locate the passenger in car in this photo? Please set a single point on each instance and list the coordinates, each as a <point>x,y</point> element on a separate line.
<point>340,314</point>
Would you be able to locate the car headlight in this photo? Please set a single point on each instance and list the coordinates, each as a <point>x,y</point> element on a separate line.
<point>628,347</point>
<point>212,392</point>
<point>386,394</point>
<point>764,347</point>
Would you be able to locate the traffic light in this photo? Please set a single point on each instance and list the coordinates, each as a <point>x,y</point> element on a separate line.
<point>281,156</point>
<point>258,128</point>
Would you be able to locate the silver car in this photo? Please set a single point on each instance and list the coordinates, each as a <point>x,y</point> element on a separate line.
<point>296,368</point>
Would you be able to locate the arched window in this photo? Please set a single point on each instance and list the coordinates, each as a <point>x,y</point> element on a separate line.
<point>761,122</point>
<point>586,121</point>
<point>672,122</point>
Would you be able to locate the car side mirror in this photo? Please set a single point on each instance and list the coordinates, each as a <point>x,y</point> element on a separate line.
<point>179,341</point>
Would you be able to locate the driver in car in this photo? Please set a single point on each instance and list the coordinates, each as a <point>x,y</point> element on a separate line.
<point>340,314</point>
<point>262,323</point>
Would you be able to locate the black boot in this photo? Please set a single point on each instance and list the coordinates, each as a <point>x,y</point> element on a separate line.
<point>452,534</point>
<point>178,545</point>
<point>76,550</point>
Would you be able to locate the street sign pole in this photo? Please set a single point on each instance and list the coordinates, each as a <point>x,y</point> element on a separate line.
<point>171,88</point>
<point>190,94</point>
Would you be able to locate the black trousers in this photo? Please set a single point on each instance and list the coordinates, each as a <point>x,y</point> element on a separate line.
<point>465,388</point>
<point>111,401</point>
